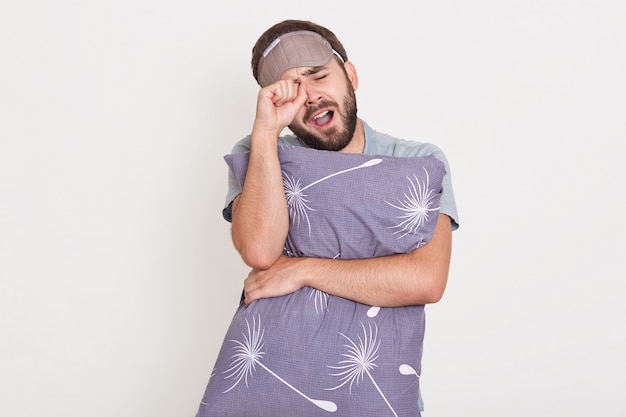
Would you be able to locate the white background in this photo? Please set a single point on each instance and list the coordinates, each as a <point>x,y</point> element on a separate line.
<point>118,277</point>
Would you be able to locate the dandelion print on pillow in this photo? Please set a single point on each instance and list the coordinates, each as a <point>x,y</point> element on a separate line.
<point>310,353</point>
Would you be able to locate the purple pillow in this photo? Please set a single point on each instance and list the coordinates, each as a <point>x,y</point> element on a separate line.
<point>310,353</point>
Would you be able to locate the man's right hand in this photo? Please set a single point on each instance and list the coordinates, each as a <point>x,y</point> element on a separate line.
<point>278,104</point>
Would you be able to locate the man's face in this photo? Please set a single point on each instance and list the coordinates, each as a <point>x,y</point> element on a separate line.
<point>328,118</point>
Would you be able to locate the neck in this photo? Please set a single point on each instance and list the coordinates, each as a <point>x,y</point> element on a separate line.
<point>357,144</point>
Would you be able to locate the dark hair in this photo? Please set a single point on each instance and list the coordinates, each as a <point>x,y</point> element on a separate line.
<point>287,26</point>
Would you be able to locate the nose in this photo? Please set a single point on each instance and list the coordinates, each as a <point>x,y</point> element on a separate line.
<point>313,96</point>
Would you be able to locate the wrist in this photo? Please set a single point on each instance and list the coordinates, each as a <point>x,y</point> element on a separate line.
<point>269,133</point>
<point>306,272</point>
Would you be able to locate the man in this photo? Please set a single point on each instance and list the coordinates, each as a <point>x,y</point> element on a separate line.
<point>309,359</point>
<point>308,84</point>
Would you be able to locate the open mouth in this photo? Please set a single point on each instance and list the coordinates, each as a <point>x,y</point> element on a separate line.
<point>323,118</point>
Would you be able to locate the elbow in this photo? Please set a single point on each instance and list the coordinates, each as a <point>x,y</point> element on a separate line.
<point>258,261</point>
<point>257,254</point>
<point>433,297</point>
<point>258,258</point>
<point>434,290</point>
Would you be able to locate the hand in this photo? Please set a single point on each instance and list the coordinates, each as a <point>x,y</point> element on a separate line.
<point>278,104</point>
<point>282,278</point>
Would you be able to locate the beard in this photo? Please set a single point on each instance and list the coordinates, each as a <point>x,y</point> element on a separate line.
<point>336,138</point>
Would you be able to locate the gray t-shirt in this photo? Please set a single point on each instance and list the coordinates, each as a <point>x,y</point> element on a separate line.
<point>376,143</point>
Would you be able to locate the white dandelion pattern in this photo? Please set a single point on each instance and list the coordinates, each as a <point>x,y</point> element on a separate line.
<point>320,299</point>
<point>417,206</point>
<point>297,200</point>
<point>248,354</point>
<point>406,369</point>
<point>373,311</point>
<point>360,361</point>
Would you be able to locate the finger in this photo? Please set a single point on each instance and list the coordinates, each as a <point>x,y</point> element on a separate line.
<point>246,299</point>
<point>286,91</point>
<point>300,95</point>
<point>250,287</point>
<point>250,296</point>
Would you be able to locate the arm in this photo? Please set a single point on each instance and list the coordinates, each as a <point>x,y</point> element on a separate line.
<point>260,219</point>
<point>418,277</point>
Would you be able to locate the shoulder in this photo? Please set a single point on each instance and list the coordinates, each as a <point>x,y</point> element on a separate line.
<point>378,143</point>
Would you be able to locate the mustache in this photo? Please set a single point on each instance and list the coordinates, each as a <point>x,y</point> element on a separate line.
<point>312,110</point>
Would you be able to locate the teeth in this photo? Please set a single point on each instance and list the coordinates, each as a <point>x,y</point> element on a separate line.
<point>321,115</point>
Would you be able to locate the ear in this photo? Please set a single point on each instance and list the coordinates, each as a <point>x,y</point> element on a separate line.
<point>352,75</point>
